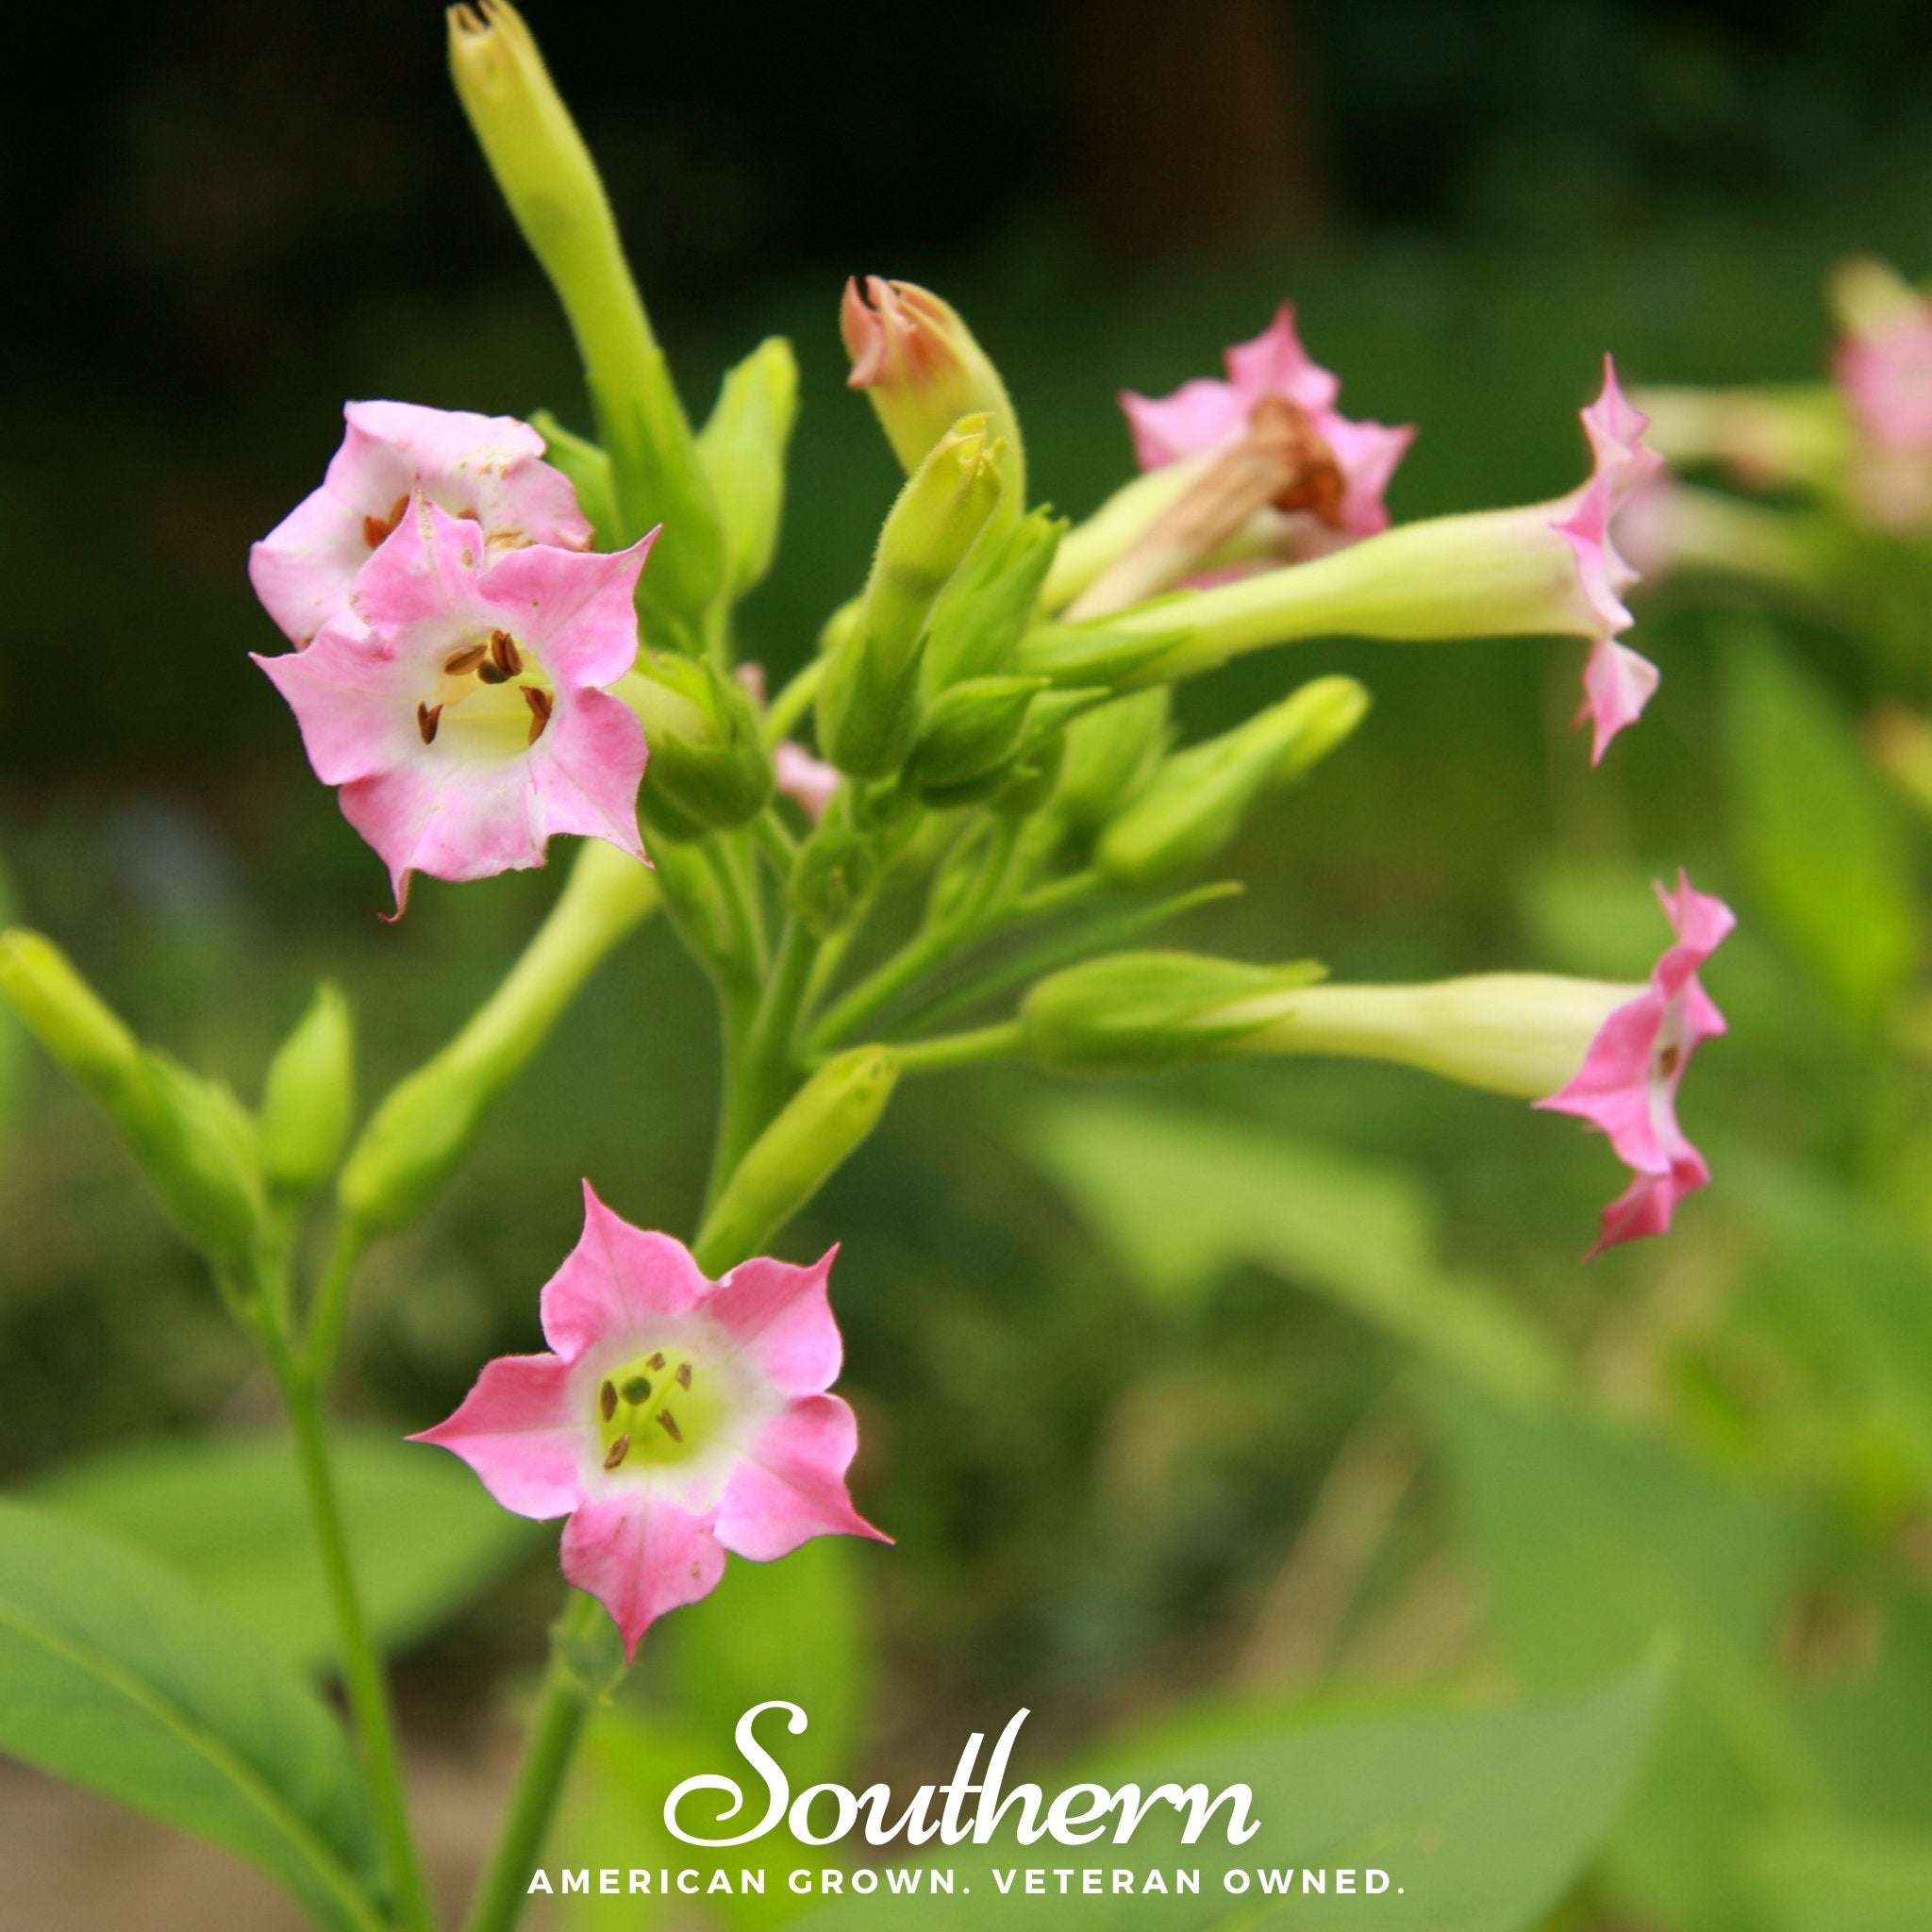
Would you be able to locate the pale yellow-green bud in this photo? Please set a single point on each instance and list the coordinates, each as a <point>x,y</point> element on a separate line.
<point>588,470</point>
<point>418,1134</point>
<point>1865,294</point>
<point>991,602</point>
<point>1111,753</point>
<point>551,186</point>
<point>742,447</point>
<point>309,1098</point>
<point>709,766</point>
<point>1197,800</point>
<point>820,1127</point>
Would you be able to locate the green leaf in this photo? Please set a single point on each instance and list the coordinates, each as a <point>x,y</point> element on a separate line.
<point>1593,1546</point>
<point>1183,1198</point>
<point>228,1517</point>
<point>1481,1821</point>
<point>115,1676</point>
<point>1846,1878</point>
<point>1828,862</point>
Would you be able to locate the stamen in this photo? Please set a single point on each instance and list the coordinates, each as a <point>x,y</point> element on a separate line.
<point>460,662</point>
<point>657,1362</point>
<point>637,1389</point>
<point>1668,1059</point>
<point>668,1423</point>
<point>684,1375</point>
<point>427,716</point>
<point>1314,480</point>
<point>503,653</point>
<point>541,703</point>
<point>375,528</point>
<point>491,673</point>
<point>618,1450</point>
<point>607,1401</point>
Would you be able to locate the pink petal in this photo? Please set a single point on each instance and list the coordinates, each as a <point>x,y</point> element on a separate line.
<point>1886,374</point>
<point>1599,569</point>
<point>426,572</point>
<point>1618,682</point>
<point>1368,454</point>
<point>353,700</point>
<point>454,821</point>
<point>804,779</point>
<point>1701,922</point>
<point>781,1316</point>
<point>617,1278</point>
<point>1275,364</point>
<point>584,773</point>
<point>517,1430</point>
<point>640,1556</point>
<point>577,608</point>
<point>1199,415</point>
<point>792,1486</point>
<point>1647,1206</point>
<point>1615,428</point>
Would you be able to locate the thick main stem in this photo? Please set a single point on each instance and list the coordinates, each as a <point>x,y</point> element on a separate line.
<point>362,1676</point>
<point>555,1734</point>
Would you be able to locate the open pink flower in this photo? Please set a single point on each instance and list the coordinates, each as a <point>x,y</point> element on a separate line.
<point>1618,682</point>
<point>1885,374</point>
<point>1342,495</point>
<point>486,470</point>
<point>676,1418</point>
<point>1627,1086</point>
<point>463,711</point>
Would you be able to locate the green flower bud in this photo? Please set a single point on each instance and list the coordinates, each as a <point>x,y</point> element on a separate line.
<point>1197,800</point>
<point>709,765</point>
<point>822,1125</point>
<point>742,447</point>
<point>1094,654</point>
<point>419,1133</point>
<point>834,871</point>
<point>868,704</point>
<point>190,1138</point>
<point>551,184</point>
<point>1149,1010</point>
<point>308,1099</point>
<point>972,730</point>
<point>919,363</point>
<point>1111,753</point>
<point>992,602</point>
<point>588,468</point>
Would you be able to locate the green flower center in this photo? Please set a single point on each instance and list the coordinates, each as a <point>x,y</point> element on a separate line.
<point>491,696</point>
<point>654,1412</point>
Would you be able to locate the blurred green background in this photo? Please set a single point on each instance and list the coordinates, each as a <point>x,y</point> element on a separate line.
<point>1112,1478</point>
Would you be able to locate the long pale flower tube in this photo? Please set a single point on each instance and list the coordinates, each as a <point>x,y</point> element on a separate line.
<point>1543,568</point>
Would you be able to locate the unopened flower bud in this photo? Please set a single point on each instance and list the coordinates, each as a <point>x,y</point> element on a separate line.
<point>1197,800</point>
<point>551,184</point>
<point>970,730</point>
<point>1148,1010</point>
<point>416,1137</point>
<point>309,1098</point>
<point>190,1138</point>
<point>708,764</point>
<point>834,873</point>
<point>921,369</point>
<point>822,1123</point>
<point>588,470</point>
<point>743,446</point>
<point>1109,752</point>
<point>868,704</point>
<point>991,602</point>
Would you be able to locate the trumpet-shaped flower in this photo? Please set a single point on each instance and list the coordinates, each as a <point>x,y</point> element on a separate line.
<point>1346,465</point>
<point>486,470</point>
<point>1628,1085</point>
<point>676,1418</point>
<point>465,712</point>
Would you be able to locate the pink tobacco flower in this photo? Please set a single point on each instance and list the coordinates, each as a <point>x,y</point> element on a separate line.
<point>676,1418</point>
<point>463,709</point>
<point>1340,492</point>
<point>806,780</point>
<point>1618,682</point>
<point>1627,1086</point>
<point>486,470</point>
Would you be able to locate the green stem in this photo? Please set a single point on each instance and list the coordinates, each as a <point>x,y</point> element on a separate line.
<point>324,1335</point>
<point>776,842</point>
<point>555,1734</point>
<point>793,702</point>
<point>765,1072</point>
<point>885,983</point>
<point>362,1678</point>
<point>960,1049</point>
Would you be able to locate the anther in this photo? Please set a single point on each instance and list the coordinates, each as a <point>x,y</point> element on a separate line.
<point>1666,1060</point>
<point>668,1423</point>
<point>427,716</point>
<point>657,1362</point>
<point>375,528</point>
<point>491,673</point>
<point>503,653</point>
<point>618,1450</point>
<point>607,1401</point>
<point>635,1391</point>
<point>460,662</point>
<point>684,1375</point>
<point>541,703</point>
